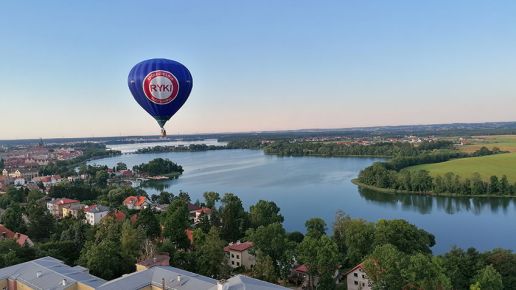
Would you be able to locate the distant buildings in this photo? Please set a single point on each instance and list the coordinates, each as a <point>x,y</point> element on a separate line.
<point>239,256</point>
<point>51,273</point>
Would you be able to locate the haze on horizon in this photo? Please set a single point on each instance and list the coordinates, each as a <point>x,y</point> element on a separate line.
<point>258,66</point>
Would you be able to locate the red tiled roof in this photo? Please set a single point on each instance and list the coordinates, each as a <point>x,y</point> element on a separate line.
<point>354,268</point>
<point>301,269</point>
<point>8,233</point>
<point>193,207</point>
<point>204,210</point>
<point>20,238</point>
<point>135,200</point>
<point>119,216</point>
<point>239,247</point>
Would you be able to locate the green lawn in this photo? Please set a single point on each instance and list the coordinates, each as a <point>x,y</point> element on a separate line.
<point>498,165</point>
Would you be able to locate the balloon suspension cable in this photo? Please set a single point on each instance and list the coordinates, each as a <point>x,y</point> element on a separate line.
<point>163,132</point>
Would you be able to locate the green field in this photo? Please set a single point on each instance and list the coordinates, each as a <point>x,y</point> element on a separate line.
<point>504,142</point>
<point>487,166</point>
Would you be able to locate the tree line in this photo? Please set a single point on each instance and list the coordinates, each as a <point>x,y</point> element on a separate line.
<point>395,253</point>
<point>394,175</point>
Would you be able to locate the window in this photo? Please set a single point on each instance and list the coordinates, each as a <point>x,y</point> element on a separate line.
<point>232,262</point>
<point>232,256</point>
<point>363,276</point>
<point>355,274</point>
<point>238,263</point>
<point>238,256</point>
<point>356,282</point>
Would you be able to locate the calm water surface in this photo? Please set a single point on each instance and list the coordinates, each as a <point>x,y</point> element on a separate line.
<point>305,187</point>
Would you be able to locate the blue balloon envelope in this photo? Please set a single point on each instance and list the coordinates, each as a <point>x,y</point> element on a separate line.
<point>161,87</point>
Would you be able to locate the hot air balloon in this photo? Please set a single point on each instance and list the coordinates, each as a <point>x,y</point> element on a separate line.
<point>161,87</point>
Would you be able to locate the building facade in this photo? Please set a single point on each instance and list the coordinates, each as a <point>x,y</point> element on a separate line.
<point>239,256</point>
<point>356,279</point>
<point>95,213</point>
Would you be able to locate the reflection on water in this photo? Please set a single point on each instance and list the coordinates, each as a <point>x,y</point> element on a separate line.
<point>306,187</point>
<point>425,204</point>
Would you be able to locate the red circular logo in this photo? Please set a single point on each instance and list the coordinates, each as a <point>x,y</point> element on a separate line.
<point>160,87</point>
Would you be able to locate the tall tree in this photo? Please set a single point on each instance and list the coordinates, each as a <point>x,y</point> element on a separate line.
<point>315,228</point>
<point>211,198</point>
<point>272,241</point>
<point>424,272</point>
<point>41,223</point>
<point>211,258</point>
<point>264,268</point>
<point>461,266</point>
<point>383,267</point>
<point>403,235</point>
<point>176,222</point>
<point>148,221</point>
<point>12,218</point>
<point>233,218</point>
<point>321,258</point>
<point>131,241</point>
<point>504,262</point>
<point>265,213</point>
<point>354,237</point>
<point>487,279</point>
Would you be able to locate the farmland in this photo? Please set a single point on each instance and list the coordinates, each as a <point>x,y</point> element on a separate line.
<point>500,164</point>
<point>504,142</point>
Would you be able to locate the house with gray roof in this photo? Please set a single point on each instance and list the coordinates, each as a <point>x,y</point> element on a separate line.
<point>50,273</point>
<point>47,273</point>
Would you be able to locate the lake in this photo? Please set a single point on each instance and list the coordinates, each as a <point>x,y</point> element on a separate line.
<point>305,187</point>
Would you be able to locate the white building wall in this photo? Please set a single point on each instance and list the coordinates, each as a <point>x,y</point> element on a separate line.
<point>357,280</point>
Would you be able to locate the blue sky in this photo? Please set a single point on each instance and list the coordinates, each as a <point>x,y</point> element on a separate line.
<point>257,65</point>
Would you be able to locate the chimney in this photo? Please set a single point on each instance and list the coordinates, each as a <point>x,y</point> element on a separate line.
<point>179,278</point>
<point>38,274</point>
<point>220,284</point>
<point>63,283</point>
<point>163,283</point>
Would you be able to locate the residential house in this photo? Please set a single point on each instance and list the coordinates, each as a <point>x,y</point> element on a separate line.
<point>95,213</point>
<point>51,273</point>
<point>301,277</point>
<point>21,239</point>
<point>137,202</point>
<point>48,180</point>
<point>195,216</point>
<point>239,256</point>
<point>55,206</point>
<point>73,210</point>
<point>356,279</point>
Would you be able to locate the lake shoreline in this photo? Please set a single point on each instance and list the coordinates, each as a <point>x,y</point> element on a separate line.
<point>432,194</point>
